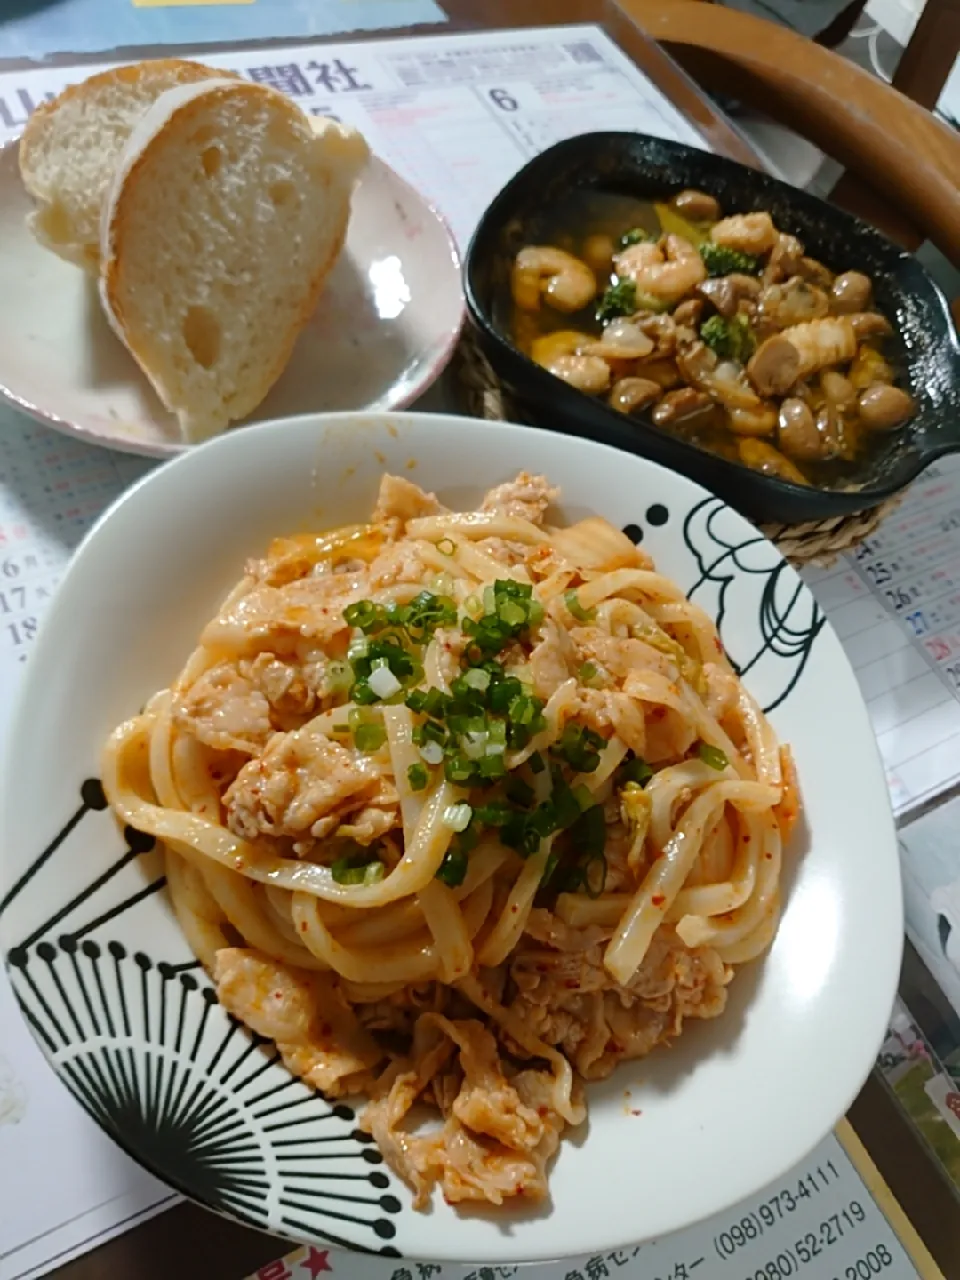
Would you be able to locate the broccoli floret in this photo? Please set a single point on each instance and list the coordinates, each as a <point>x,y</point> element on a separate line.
<point>620,299</point>
<point>636,235</point>
<point>721,261</point>
<point>731,339</point>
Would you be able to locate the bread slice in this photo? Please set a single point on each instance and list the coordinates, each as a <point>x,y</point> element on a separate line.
<point>71,146</point>
<point>227,211</point>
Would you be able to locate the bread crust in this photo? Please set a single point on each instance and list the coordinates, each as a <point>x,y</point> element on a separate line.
<point>124,192</point>
<point>44,119</point>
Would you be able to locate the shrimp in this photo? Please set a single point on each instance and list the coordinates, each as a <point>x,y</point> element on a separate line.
<point>572,356</point>
<point>636,258</point>
<point>567,283</point>
<point>786,358</point>
<point>746,232</point>
<point>666,281</point>
<point>586,373</point>
<point>561,342</point>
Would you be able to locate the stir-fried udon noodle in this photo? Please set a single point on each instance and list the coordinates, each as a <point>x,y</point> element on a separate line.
<point>462,809</point>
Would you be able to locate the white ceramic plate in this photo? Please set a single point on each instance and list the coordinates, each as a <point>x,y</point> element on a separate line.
<point>386,325</point>
<point>125,1016</point>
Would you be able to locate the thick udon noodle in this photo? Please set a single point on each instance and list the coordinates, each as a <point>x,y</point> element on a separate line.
<point>331,892</point>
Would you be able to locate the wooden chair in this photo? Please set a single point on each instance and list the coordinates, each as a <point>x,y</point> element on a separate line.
<point>902,165</point>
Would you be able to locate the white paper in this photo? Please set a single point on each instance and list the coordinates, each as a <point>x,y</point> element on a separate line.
<point>819,1222</point>
<point>457,116</point>
<point>895,604</point>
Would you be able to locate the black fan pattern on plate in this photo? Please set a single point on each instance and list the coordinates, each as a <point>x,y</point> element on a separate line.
<point>191,1093</point>
<point>183,1087</point>
<point>745,573</point>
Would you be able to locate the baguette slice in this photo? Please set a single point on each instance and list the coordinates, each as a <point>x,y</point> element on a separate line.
<point>226,214</point>
<point>71,146</point>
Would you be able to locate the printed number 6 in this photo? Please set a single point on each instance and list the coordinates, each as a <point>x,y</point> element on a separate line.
<point>503,100</point>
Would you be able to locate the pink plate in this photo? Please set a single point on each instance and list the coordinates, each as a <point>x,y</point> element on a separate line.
<point>386,325</point>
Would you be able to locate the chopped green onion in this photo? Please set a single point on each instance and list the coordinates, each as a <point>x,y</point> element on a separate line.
<point>502,692</point>
<point>382,680</point>
<point>369,737</point>
<point>494,814</point>
<point>457,817</point>
<point>712,756</point>
<point>549,868</point>
<point>492,766</point>
<point>453,868</point>
<point>446,546</point>
<point>537,763</point>
<point>477,678</point>
<point>572,601</point>
<point>457,768</point>
<point>519,835</point>
<point>346,871</point>
<point>635,770</point>
<point>583,796</point>
<point>579,747</point>
<point>365,614</point>
<point>472,605</point>
<point>417,777</point>
<point>426,612</point>
<point>588,672</point>
<point>518,791</point>
<point>430,731</point>
<point>362,694</point>
<point>339,676</point>
<point>432,752</point>
<point>358,650</point>
<point>589,833</point>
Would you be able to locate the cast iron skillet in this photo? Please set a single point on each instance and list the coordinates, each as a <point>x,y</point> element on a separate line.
<point>924,349</point>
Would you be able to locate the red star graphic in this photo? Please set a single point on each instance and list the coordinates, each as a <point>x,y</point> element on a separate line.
<point>316,1261</point>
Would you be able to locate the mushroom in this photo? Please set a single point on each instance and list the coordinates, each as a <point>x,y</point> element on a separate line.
<point>870,324</point>
<point>727,292</point>
<point>679,404</point>
<point>795,302</point>
<point>663,331</point>
<point>761,421</point>
<point>783,359</point>
<point>883,407</point>
<point>696,205</point>
<point>775,367</point>
<point>784,260</point>
<point>838,389</point>
<point>798,435</point>
<point>688,314</point>
<point>815,272</point>
<point>663,372</point>
<point>850,292</point>
<point>629,395</point>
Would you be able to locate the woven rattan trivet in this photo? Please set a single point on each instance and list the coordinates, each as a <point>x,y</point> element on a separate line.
<point>818,542</point>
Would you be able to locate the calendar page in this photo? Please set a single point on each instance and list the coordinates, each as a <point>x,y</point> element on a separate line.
<point>821,1221</point>
<point>457,116</point>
